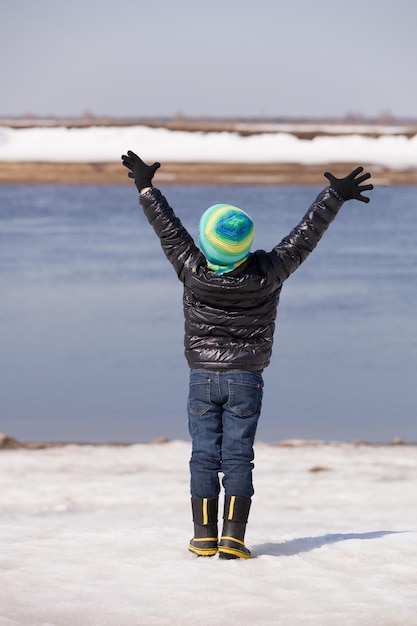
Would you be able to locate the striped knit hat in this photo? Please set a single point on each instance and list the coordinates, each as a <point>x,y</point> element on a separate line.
<point>225,235</point>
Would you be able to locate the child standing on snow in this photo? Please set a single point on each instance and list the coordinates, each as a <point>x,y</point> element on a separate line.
<point>230,300</point>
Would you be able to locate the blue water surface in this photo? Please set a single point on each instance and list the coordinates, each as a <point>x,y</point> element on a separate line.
<point>91,326</point>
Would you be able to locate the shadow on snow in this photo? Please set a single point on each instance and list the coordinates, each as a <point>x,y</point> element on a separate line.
<point>306,544</point>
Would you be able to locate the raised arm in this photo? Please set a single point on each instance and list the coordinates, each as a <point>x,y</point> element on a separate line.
<point>295,248</point>
<point>176,242</point>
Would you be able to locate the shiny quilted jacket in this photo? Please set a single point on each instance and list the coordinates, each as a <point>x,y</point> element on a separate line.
<point>230,318</point>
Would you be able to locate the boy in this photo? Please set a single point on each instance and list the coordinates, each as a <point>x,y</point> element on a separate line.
<point>230,301</point>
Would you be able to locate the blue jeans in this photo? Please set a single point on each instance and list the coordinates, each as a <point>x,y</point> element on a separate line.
<point>223,413</point>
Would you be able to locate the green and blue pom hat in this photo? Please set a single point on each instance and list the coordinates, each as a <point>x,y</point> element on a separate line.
<point>225,236</point>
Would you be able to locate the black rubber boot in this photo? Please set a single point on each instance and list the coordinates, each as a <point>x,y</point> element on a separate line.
<point>205,540</point>
<point>235,517</point>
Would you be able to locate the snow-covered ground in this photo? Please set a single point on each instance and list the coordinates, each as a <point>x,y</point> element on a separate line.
<point>106,144</point>
<point>98,536</point>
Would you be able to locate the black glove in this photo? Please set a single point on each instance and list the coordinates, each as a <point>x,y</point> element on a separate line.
<point>348,188</point>
<point>139,171</point>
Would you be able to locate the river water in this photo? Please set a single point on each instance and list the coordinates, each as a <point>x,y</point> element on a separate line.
<point>91,316</point>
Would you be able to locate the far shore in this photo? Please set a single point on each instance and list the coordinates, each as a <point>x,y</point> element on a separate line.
<point>11,443</point>
<point>196,173</point>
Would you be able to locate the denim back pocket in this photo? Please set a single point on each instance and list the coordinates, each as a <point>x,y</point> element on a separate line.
<point>245,398</point>
<point>199,397</point>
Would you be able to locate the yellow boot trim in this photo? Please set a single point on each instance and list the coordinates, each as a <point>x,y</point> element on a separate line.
<point>235,552</point>
<point>202,539</point>
<point>202,551</point>
<point>205,512</point>
<point>231,507</point>
<point>233,539</point>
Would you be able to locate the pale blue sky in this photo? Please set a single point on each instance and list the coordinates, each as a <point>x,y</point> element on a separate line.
<point>218,58</point>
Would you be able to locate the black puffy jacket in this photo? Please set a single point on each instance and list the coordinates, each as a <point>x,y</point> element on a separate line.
<point>230,318</point>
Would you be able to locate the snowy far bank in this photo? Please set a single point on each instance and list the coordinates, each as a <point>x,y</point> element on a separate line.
<point>99,535</point>
<point>106,144</point>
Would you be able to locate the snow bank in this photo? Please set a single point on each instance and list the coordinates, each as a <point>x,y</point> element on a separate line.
<point>106,144</point>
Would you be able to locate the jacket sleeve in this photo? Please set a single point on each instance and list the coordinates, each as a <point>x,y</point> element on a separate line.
<point>176,242</point>
<point>288,255</point>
